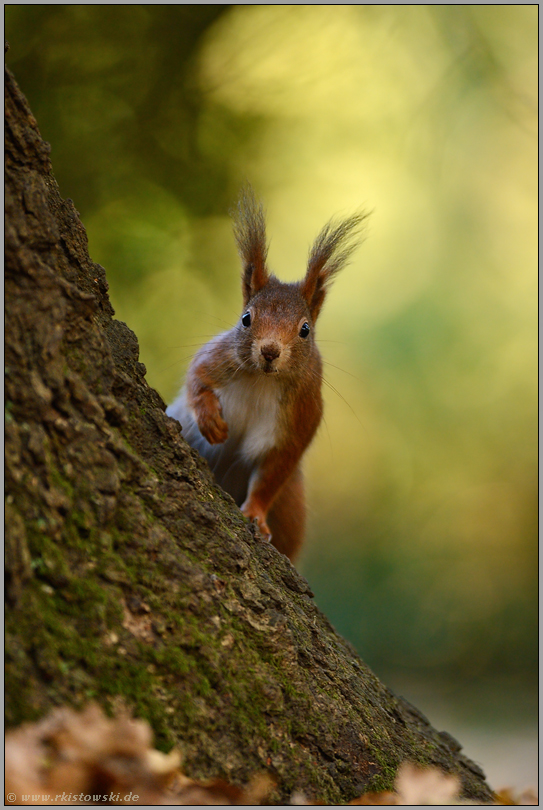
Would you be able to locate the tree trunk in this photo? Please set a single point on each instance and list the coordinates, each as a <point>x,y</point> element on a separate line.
<point>131,578</point>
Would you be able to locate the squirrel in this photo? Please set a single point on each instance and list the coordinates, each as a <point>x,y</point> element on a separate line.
<point>252,401</point>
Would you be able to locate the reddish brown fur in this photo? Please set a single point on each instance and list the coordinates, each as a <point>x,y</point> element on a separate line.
<point>271,347</point>
<point>281,463</point>
<point>286,517</point>
<point>250,233</point>
<point>206,373</point>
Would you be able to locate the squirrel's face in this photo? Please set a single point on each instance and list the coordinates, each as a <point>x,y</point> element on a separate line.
<point>275,331</point>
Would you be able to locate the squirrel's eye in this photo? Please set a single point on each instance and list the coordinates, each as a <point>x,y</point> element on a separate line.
<point>246,319</point>
<point>304,331</point>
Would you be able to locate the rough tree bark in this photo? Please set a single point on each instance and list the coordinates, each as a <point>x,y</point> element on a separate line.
<point>130,576</point>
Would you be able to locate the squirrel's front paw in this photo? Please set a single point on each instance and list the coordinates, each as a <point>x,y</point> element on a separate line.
<point>210,422</point>
<point>214,430</point>
<point>259,518</point>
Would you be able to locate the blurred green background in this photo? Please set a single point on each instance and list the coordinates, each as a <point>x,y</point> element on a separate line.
<point>422,545</point>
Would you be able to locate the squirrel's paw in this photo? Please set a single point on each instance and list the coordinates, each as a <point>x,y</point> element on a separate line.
<point>258,517</point>
<point>264,529</point>
<point>210,422</point>
<point>216,431</point>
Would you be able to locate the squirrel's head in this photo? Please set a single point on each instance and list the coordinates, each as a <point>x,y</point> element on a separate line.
<point>276,328</point>
<point>275,331</point>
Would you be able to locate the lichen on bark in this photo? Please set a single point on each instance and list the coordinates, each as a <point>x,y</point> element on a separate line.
<point>130,576</point>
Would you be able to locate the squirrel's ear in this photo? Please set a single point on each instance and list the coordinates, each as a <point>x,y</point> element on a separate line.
<point>250,233</point>
<point>330,253</point>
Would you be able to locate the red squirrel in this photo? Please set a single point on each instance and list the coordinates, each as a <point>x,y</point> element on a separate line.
<point>252,401</point>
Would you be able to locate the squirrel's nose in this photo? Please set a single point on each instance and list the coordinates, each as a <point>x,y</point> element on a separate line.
<point>270,352</point>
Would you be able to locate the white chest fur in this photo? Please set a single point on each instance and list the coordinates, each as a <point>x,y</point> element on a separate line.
<point>250,408</point>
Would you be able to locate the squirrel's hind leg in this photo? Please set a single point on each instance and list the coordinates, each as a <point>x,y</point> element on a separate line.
<point>286,517</point>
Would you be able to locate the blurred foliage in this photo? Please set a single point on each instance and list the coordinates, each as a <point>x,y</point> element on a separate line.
<point>423,495</point>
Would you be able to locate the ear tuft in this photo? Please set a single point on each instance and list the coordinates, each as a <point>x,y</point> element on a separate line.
<point>330,253</point>
<point>250,233</point>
